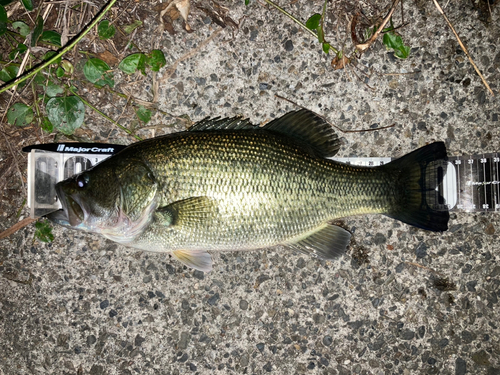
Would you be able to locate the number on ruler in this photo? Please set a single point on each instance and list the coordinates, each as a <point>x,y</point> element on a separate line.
<point>483,160</point>
<point>470,161</point>
<point>458,161</point>
<point>486,206</point>
<point>496,159</point>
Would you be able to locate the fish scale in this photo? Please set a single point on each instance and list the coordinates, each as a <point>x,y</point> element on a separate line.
<point>266,189</point>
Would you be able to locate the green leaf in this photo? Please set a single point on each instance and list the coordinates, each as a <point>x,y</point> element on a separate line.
<point>40,79</point>
<point>20,114</point>
<point>105,30</point>
<point>394,41</point>
<point>143,114</point>
<point>37,31</point>
<point>326,47</point>
<point>156,60</point>
<point>46,125</point>
<point>247,2</point>
<point>94,69</point>
<point>53,90</point>
<point>133,62</point>
<point>43,231</point>
<point>59,72</point>
<point>68,67</point>
<point>3,20</point>
<point>66,113</point>
<point>6,2</point>
<point>51,54</point>
<point>129,28</point>
<point>8,73</point>
<point>51,37</point>
<point>313,22</point>
<point>28,4</point>
<point>21,48</point>
<point>21,28</point>
<point>107,79</point>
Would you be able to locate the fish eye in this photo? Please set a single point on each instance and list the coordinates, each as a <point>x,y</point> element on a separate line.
<point>82,180</point>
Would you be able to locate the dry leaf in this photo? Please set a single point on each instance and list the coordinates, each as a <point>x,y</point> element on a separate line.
<point>182,7</point>
<point>340,63</point>
<point>108,57</point>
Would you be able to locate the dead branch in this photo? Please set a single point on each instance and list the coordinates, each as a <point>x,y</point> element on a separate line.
<point>463,47</point>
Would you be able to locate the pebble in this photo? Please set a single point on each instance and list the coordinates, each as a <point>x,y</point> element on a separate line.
<point>327,340</point>
<point>289,45</point>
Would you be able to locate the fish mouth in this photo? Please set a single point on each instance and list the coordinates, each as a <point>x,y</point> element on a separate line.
<point>71,212</point>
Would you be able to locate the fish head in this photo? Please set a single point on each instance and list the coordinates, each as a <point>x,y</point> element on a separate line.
<point>116,200</point>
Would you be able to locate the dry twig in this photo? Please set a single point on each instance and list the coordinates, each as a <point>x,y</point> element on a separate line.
<point>463,47</point>
<point>363,47</point>
<point>13,229</point>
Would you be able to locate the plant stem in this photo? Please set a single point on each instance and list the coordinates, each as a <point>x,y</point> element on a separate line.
<point>299,22</point>
<point>292,18</point>
<point>105,116</point>
<point>62,52</point>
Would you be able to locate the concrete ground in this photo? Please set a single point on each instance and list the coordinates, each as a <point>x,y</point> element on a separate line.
<point>85,305</point>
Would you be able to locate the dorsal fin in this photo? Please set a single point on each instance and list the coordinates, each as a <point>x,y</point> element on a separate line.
<point>233,123</point>
<point>309,128</point>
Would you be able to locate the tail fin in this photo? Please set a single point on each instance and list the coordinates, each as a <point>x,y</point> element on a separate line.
<point>418,176</point>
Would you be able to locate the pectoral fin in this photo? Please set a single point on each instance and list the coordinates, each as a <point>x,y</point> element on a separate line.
<point>187,212</point>
<point>197,259</point>
<point>329,242</point>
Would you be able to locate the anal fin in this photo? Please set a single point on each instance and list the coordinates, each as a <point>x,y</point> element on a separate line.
<point>329,242</point>
<point>198,259</point>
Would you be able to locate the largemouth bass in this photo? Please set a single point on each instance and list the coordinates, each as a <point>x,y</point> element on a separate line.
<point>226,184</point>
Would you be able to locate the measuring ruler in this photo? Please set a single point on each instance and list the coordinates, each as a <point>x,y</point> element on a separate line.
<point>469,183</point>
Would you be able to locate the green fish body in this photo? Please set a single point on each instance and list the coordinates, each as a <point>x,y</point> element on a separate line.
<point>228,185</point>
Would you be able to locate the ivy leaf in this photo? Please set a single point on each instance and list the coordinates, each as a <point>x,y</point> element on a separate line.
<point>51,54</point>
<point>43,231</point>
<point>66,113</point>
<point>28,4</point>
<point>8,73</point>
<point>313,22</point>
<point>46,125</point>
<point>143,114</point>
<point>59,72</point>
<point>129,28</point>
<point>21,28</point>
<point>107,79</point>
<point>51,37</point>
<point>21,48</point>
<point>394,41</point>
<point>40,79</point>
<point>37,31</point>
<point>94,69</point>
<point>105,30</point>
<point>326,47</point>
<point>156,60</point>
<point>68,67</point>
<point>52,90</point>
<point>20,114</point>
<point>131,63</point>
